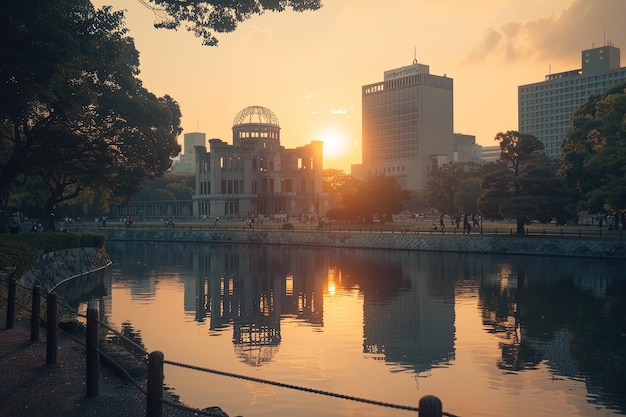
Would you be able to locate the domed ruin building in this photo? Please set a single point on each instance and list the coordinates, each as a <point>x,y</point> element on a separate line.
<point>256,176</point>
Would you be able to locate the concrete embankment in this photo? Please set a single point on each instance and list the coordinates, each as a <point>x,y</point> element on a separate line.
<point>544,246</point>
<point>55,267</point>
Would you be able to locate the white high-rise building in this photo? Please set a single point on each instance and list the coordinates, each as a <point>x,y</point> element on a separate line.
<point>187,160</point>
<point>407,122</point>
<point>545,108</point>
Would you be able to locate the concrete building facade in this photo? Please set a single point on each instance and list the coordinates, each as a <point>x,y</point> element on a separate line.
<point>545,108</point>
<point>407,125</point>
<point>256,176</point>
<point>466,149</point>
<point>490,153</point>
<point>187,159</point>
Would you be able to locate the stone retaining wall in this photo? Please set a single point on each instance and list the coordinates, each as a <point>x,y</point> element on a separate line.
<point>55,267</point>
<point>599,249</point>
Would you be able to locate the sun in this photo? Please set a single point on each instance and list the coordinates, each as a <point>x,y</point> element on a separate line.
<point>334,142</point>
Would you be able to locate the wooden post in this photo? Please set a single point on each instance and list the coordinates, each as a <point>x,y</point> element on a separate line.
<point>11,303</point>
<point>93,357</point>
<point>52,334</point>
<point>35,319</point>
<point>154,407</point>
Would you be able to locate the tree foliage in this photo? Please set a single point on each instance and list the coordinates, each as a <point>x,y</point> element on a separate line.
<point>524,186</point>
<point>443,184</point>
<point>335,182</point>
<point>376,195</point>
<point>178,187</point>
<point>467,194</point>
<point>206,17</point>
<point>74,116</point>
<point>594,151</point>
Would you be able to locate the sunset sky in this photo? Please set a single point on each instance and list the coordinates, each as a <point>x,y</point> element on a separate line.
<point>308,68</point>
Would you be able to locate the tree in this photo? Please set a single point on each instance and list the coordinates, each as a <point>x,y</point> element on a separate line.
<point>205,17</point>
<point>335,182</point>
<point>524,185</point>
<point>467,194</point>
<point>376,195</point>
<point>443,183</point>
<point>594,151</point>
<point>75,117</point>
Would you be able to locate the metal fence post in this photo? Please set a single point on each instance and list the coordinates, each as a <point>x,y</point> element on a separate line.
<point>154,407</point>
<point>52,334</point>
<point>35,319</point>
<point>11,303</point>
<point>93,357</point>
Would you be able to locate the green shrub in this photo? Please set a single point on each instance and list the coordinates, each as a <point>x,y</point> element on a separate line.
<point>20,250</point>
<point>287,226</point>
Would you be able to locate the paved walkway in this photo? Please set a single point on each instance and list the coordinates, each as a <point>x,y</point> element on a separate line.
<point>31,388</point>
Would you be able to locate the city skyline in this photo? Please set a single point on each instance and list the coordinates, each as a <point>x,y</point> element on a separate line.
<point>308,68</point>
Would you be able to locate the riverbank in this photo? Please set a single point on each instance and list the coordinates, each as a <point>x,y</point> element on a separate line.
<point>474,243</point>
<point>31,388</point>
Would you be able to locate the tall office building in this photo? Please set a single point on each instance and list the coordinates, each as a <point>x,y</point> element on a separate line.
<point>545,108</point>
<point>186,163</point>
<point>407,122</point>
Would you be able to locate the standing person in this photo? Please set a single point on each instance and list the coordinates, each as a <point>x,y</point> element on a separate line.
<point>217,219</point>
<point>430,406</point>
<point>441,223</point>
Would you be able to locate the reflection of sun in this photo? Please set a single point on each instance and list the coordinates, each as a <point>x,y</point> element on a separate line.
<point>334,142</point>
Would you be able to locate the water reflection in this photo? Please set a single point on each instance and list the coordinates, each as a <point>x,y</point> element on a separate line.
<point>569,317</point>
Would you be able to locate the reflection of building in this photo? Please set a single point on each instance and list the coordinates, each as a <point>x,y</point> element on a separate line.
<point>256,175</point>
<point>252,288</point>
<point>186,163</point>
<point>545,108</point>
<point>416,330</point>
<point>407,125</point>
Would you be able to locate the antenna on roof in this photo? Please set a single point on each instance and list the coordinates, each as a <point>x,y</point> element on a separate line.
<point>414,55</point>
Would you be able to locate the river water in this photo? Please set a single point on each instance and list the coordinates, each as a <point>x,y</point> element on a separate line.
<point>489,335</point>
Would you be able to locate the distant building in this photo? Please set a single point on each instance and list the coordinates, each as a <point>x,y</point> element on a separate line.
<point>490,153</point>
<point>466,149</point>
<point>545,108</point>
<point>407,124</point>
<point>256,176</point>
<point>186,163</point>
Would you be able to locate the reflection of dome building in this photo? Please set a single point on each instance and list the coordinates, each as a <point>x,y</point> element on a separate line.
<point>257,176</point>
<point>256,344</point>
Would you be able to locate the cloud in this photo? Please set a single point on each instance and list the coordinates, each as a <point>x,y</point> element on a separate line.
<point>308,97</point>
<point>559,35</point>
<point>338,110</point>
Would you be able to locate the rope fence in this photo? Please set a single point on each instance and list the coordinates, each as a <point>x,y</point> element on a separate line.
<point>153,387</point>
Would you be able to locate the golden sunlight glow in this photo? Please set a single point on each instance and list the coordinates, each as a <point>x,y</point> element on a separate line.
<point>332,285</point>
<point>334,142</point>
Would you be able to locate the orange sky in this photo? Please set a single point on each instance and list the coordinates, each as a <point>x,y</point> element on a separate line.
<point>308,68</point>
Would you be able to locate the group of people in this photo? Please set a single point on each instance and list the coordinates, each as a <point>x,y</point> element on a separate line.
<point>469,222</point>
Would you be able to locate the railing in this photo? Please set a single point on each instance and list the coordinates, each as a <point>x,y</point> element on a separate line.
<point>154,384</point>
<point>404,228</point>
